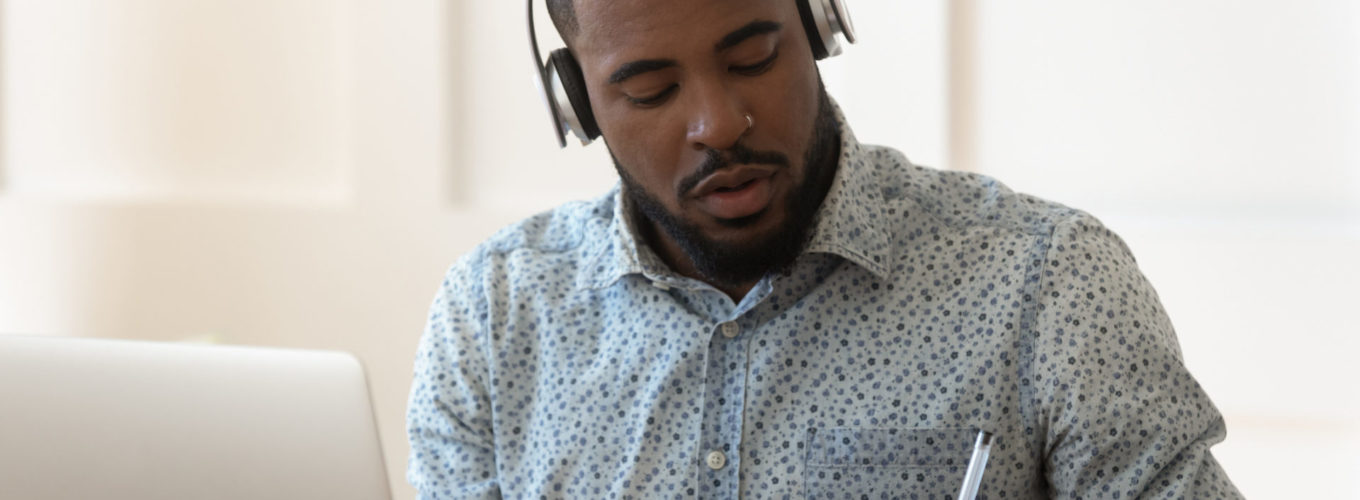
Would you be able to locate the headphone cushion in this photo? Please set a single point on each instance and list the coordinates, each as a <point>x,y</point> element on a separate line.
<point>569,71</point>
<point>814,35</point>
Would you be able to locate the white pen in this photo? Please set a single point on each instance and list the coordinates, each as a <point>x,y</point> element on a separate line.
<point>973,476</point>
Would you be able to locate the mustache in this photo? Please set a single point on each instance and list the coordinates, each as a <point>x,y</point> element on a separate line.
<point>737,155</point>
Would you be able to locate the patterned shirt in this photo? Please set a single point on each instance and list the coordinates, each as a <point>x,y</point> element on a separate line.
<point>563,359</point>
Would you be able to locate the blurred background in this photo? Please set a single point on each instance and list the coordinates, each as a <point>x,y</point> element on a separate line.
<point>300,173</point>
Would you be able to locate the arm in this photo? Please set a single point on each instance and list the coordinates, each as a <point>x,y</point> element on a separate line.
<point>448,417</point>
<point>1123,416</point>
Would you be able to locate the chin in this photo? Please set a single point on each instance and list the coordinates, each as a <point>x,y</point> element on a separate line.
<point>749,231</point>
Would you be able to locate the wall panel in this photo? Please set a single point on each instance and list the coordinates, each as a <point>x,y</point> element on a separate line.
<point>170,100</point>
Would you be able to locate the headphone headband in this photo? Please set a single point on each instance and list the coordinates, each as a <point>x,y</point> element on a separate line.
<point>541,80</point>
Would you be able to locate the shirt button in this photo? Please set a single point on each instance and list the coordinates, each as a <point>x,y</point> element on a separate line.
<point>716,460</point>
<point>730,329</point>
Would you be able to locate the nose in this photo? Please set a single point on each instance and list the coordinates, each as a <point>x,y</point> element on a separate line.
<point>718,120</point>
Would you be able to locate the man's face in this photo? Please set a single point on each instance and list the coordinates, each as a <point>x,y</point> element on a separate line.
<point>671,84</point>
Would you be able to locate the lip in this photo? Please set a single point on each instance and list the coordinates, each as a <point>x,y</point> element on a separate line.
<point>753,194</point>
<point>731,178</point>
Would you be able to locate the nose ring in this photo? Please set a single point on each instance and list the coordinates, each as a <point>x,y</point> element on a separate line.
<point>750,122</point>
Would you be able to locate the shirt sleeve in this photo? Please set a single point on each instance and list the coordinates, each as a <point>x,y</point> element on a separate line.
<point>1122,416</point>
<point>448,416</point>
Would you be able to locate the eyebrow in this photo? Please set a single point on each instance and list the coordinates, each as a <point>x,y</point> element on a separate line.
<point>633,68</point>
<point>754,28</point>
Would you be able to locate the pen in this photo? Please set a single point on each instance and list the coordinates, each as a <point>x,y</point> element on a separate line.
<point>973,476</point>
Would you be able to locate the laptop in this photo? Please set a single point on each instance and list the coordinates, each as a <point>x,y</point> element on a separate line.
<point>113,419</point>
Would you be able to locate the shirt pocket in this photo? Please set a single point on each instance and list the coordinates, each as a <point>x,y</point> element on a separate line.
<point>891,463</point>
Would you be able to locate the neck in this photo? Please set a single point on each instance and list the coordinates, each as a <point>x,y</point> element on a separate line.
<point>675,257</point>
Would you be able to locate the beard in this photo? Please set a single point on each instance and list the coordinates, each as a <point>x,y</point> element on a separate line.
<point>736,263</point>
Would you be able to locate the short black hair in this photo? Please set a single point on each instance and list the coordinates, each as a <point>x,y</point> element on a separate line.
<point>563,14</point>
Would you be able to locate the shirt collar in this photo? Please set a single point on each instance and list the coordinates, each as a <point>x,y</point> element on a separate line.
<point>849,224</point>
<point>852,221</point>
<point>622,254</point>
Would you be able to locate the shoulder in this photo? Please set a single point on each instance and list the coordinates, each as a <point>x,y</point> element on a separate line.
<point>561,229</point>
<point>967,200</point>
<point>954,205</point>
<point>548,246</point>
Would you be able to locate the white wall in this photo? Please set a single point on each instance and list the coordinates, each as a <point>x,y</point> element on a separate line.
<point>1153,102</point>
<point>255,95</point>
<point>300,173</point>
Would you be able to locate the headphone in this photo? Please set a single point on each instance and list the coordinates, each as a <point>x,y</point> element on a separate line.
<point>564,88</point>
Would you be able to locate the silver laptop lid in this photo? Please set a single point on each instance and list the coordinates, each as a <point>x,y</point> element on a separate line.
<point>86,418</point>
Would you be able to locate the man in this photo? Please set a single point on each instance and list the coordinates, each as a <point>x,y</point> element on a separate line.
<point>766,308</point>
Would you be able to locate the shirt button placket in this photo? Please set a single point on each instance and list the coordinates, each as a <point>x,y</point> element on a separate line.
<point>723,418</point>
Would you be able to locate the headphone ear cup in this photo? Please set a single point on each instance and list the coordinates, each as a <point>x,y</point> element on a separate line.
<point>814,35</point>
<point>573,82</point>
<point>823,20</point>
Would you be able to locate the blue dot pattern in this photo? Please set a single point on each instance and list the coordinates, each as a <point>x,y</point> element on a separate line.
<point>562,359</point>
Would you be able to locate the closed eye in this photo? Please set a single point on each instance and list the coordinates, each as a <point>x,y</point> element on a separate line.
<point>757,68</point>
<point>653,100</point>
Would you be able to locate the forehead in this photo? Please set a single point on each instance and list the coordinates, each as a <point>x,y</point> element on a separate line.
<point>621,30</point>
